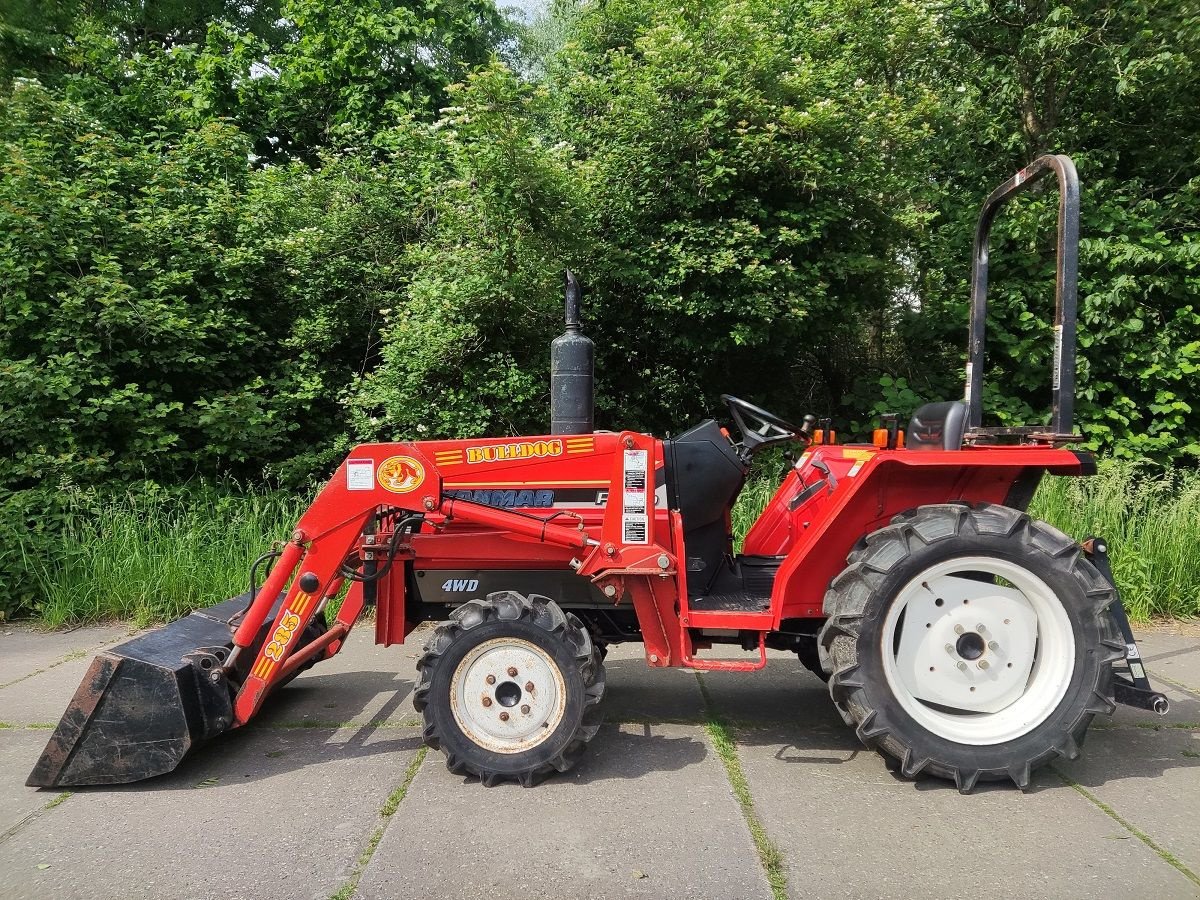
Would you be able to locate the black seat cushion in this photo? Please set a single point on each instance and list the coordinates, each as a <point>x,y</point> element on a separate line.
<point>937,426</point>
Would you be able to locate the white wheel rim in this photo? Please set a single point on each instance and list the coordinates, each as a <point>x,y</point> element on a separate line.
<point>507,695</point>
<point>972,684</point>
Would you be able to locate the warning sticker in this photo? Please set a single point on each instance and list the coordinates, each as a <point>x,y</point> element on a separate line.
<point>634,517</point>
<point>360,474</point>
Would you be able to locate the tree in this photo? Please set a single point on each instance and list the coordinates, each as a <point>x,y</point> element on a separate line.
<point>728,207</point>
<point>1115,87</point>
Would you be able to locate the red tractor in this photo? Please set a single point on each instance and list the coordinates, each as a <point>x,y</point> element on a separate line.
<point>959,637</point>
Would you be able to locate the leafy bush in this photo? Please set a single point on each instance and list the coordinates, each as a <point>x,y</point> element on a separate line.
<point>31,523</point>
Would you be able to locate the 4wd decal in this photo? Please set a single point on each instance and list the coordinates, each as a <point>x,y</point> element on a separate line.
<point>517,450</point>
<point>400,474</point>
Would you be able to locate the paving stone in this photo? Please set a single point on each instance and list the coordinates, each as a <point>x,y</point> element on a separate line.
<point>1173,654</point>
<point>260,813</point>
<point>1185,709</point>
<point>24,650</point>
<point>1172,658</point>
<point>782,693</point>
<point>19,750</point>
<point>1152,778</point>
<point>633,691</point>
<point>43,698</point>
<point>362,683</point>
<point>648,812</point>
<point>847,828</point>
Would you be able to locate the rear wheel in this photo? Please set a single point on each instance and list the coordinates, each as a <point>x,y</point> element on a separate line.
<point>510,688</point>
<point>970,643</point>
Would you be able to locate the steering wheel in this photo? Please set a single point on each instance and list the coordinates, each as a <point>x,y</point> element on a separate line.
<point>760,428</point>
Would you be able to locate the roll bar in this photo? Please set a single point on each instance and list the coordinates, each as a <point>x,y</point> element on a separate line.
<point>1065,300</point>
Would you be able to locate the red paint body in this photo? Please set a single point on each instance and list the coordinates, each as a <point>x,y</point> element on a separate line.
<point>589,536</point>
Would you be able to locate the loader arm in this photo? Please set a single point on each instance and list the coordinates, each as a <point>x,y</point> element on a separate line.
<point>144,704</point>
<point>330,534</point>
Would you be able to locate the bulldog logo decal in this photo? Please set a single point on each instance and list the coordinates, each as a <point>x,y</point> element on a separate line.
<point>400,474</point>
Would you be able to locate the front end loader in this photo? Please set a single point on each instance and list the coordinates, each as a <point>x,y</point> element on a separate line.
<point>959,637</point>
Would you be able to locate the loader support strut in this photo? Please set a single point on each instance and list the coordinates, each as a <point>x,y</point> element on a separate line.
<point>265,597</point>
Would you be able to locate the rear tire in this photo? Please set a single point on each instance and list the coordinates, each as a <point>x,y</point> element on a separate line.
<point>502,726</point>
<point>970,693</point>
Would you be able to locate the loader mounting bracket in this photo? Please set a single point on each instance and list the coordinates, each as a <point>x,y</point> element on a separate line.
<point>1130,687</point>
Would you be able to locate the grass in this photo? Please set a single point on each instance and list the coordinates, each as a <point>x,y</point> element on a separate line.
<point>146,557</point>
<point>57,801</point>
<point>768,854</point>
<point>1151,521</point>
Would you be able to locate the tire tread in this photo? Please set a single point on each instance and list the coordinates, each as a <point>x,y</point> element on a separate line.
<point>868,566</point>
<point>509,606</point>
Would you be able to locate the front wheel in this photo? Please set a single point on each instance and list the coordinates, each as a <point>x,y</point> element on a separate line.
<point>970,642</point>
<point>510,688</point>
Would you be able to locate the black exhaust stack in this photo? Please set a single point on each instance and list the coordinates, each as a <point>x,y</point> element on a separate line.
<point>572,375</point>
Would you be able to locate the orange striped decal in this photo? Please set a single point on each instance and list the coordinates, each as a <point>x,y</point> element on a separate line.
<point>265,665</point>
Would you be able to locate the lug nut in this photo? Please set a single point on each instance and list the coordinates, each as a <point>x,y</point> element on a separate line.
<point>962,665</point>
<point>980,627</point>
<point>491,679</point>
<point>950,649</point>
<point>992,645</point>
<point>512,671</point>
<point>529,685</point>
<point>958,629</point>
<point>503,717</point>
<point>525,709</point>
<point>983,664</point>
<point>487,701</point>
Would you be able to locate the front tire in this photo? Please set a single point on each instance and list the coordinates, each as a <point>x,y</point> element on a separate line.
<point>510,689</point>
<point>970,643</point>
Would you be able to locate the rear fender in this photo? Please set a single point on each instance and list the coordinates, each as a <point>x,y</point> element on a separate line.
<point>876,486</point>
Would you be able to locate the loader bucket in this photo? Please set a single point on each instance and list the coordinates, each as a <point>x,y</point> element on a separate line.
<point>145,703</point>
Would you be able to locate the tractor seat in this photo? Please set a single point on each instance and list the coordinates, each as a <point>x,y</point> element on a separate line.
<point>937,426</point>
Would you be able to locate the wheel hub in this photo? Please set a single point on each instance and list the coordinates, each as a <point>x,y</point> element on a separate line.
<point>970,645</point>
<point>978,661</point>
<point>968,674</point>
<point>507,695</point>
